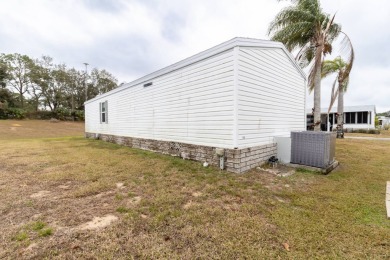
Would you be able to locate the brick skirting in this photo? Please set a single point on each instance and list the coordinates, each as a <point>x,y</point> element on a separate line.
<point>236,160</point>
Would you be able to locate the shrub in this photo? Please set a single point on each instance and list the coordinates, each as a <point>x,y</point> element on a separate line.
<point>376,121</point>
<point>67,115</point>
<point>3,114</point>
<point>64,114</point>
<point>15,113</point>
<point>374,131</point>
<point>44,115</point>
<point>363,131</point>
<point>61,114</point>
<point>79,115</point>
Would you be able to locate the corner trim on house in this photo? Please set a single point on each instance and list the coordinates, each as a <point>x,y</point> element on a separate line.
<point>235,94</point>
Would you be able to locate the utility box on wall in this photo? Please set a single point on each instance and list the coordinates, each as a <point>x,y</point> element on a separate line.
<point>315,149</point>
<point>284,149</point>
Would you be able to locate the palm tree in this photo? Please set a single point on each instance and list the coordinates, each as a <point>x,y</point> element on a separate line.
<point>343,69</point>
<point>305,27</point>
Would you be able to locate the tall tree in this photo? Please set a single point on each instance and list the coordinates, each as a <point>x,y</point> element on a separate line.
<point>37,80</point>
<point>41,79</point>
<point>343,69</point>
<point>3,72</point>
<point>75,90</point>
<point>45,84</point>
<point>305,27</point>
<point>50,81</point>
<point>18,70</point>
<point>102,81</point>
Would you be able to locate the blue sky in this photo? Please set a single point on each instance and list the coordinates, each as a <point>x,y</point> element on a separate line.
<point>132,38</point>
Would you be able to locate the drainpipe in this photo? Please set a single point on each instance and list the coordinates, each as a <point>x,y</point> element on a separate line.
<point>221,154</point>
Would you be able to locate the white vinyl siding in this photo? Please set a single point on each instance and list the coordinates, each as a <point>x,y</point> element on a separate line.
<point>271,96</point>
<point>238,94</point>
<point>193,104</point>
<point>92,117</point>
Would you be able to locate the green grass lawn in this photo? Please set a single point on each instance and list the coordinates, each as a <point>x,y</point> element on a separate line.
<point>166,207</point>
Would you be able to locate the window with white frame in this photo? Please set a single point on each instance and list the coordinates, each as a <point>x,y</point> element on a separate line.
<point>103,112</point>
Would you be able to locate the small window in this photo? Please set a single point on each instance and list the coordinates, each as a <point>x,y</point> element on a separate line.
<point>103,112</point>
<point>148,84</point>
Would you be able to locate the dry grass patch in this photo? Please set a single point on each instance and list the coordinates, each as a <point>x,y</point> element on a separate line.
<point>383,134</point>
<point>22,129</point>
<point>153,221</point>
<point>156,206</point>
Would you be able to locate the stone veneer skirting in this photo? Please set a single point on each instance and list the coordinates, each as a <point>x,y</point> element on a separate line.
<point>236,160</point>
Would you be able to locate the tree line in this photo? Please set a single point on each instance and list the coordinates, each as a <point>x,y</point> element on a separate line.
<point>42,88</point>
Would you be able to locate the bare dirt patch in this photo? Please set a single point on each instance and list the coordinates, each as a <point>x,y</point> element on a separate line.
<point>98,222</point>
<point>40,194</point>
<point>31,247</point>
<point>188,205</point>
<point>197,194</point>
<point>135,200</point>
<point>280,170</point>
<point>120,185</point>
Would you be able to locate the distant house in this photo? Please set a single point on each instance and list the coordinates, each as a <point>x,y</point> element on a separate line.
<point>384,121</point>
<point>355,117</point>
<point>228,102</point>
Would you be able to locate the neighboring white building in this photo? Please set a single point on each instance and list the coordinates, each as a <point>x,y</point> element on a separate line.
<point>237,95</point>
<point>384,121</point>
<point>355,117</point>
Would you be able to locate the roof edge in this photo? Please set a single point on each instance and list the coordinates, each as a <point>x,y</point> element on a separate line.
<point>237,41</point>
<point>346,109</point>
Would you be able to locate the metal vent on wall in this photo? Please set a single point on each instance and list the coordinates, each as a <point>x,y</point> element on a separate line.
<point>315,149</point>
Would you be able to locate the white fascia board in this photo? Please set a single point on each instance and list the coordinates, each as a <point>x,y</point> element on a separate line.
<point>238,41</point>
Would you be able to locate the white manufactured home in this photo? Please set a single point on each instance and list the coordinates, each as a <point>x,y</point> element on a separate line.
<point>355,117</point>
<point>224,106</point>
